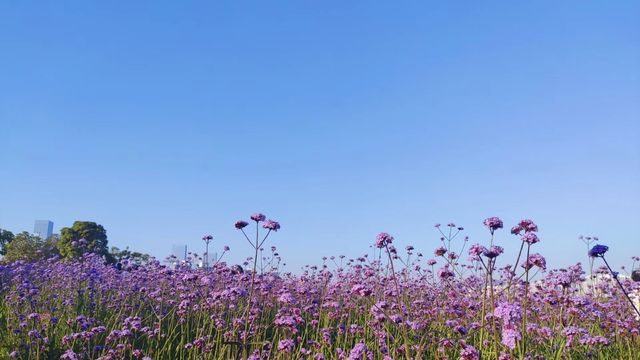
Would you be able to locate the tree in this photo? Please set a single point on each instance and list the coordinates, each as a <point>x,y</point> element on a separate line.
<point>137,257</point>
<point>6,237</point>
<point>28,247</point>
<point>83,237</point>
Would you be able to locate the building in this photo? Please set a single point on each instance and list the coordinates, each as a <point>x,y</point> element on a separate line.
<point>178,256</point>
<point>43,229</point>
<point>180,252</point>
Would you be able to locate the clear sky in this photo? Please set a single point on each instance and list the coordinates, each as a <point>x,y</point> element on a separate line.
<point>163,121</point>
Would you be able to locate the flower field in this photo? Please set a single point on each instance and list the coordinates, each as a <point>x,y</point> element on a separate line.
<point>458,301</point>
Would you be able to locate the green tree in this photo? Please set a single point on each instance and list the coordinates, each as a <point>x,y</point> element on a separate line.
<point>28,247</point>
<point>6,237</point>
<point>83,237</point>
<point>137,257</point>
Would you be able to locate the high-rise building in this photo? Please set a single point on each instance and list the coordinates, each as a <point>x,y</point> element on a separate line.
<point>43,229</point>
<point>178,255</point>
<point>180,252</point>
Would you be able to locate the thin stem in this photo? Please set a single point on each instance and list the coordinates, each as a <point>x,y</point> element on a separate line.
<point>621,287</point>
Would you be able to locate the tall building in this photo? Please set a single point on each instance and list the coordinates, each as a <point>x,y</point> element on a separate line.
<point>178,255</point>
<point>180,252</point>
<point>43,228</point>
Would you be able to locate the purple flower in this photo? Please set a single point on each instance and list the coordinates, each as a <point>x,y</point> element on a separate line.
<point>493,223</point>
<point>271,225</point>
<point>510,336</point>
<point>240,224</point>
<point>469,353</point>
<point>226,248</point>
<point>475,251</point>
<point>493,251</point>
<point>598,250</point>
<point>383,239</point>
<point>286,345</point>
<point>207,238</point>
<point>530,238</point>
<point>440,251</point>
<point>444,273</point>
<point>358,351</point>
<point>535,260</point>
<point>258,217</point>
<point>528,225</point>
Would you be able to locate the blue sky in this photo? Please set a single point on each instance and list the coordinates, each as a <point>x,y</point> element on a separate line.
<point>165,121</point>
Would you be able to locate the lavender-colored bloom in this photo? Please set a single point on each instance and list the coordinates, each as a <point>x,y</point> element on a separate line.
<point>598,250</point>
<point>271,225</point>
<point>207,238</point>
<point>528,225</point>
<point>440,251</point>
<point>469,353</point>
<point>286,345</point>
<point>493,223</point>
<point>493,251</point>
<point>358,351</point>
<point>475,251</point>
<point>535,260</point>
<point>510,336</point>
<point>226,248</point>
<point>383,239</point>
<point>240,224</point>
<point>444,273</point>
<point>530,238</point>
<point>258,217</point>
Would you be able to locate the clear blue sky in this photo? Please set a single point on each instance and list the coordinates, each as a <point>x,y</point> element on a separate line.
<point>163,121</point>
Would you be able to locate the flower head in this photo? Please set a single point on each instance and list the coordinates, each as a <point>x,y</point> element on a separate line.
<point>475,251</point>
<point>493,223</point>
<point>493,251</point>
<point>535,260</point>
<point>271,225</point>
<point>528,225</point>
<point>240,224</point>
<point>207,238</point>
<point>383,239</point>
<point>530,238</point>
<point>598,250</point>
<point>258,217</point>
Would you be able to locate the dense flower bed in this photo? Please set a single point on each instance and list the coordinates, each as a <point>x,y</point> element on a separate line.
<point>394,305</point>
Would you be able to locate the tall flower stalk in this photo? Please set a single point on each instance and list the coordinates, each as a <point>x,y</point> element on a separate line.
<point>599,251</point>
<point>270,226</point>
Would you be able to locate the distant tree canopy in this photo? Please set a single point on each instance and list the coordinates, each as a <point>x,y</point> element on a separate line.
<point>83,237</point>
<point>137,257</point>
<point>25,246</point>
<point>6,237</point>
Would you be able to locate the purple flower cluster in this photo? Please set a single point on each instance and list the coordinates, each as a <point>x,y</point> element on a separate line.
<point>363,307</point>
<point>383,239</point>
<point>493,223</point>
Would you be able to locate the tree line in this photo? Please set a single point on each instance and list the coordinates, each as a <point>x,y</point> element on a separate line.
<point>82,237</point>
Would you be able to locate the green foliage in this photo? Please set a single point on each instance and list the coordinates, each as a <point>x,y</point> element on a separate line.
<point>6,237</point>
<point>28,247</point>
<point>83,237</point>
<point>137,257</point>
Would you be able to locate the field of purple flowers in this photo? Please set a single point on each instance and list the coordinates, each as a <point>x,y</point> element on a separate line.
<point>462,301</point>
